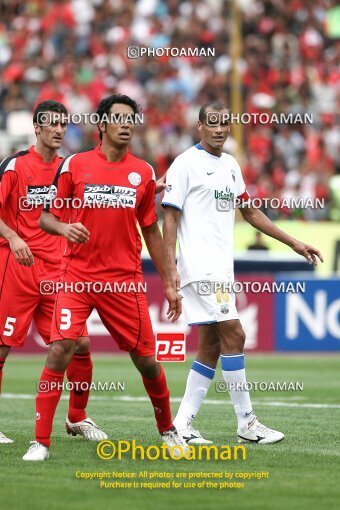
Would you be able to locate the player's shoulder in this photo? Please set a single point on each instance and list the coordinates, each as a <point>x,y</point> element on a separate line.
<point>185,158</point>
<point>140,166</point>
<point>230,160</point>
<point>80,156</point>
<point>75,158</point>
<point>10,163</point>
<point>188,154</point>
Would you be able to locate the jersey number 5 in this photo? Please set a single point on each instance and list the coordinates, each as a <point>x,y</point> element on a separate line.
<point>9,329</point>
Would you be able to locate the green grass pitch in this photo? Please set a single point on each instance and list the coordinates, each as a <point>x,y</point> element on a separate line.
<point>304,469</point>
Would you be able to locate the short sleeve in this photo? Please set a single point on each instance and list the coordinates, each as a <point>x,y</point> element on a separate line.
<point>8,179</point>
<point>177,184</point>
<point>146,213</point>
<point>242,195</point>
<point>60,189</point>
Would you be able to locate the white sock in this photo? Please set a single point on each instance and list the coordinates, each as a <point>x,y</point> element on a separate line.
<point>198,382</point>
<point>233,372</point>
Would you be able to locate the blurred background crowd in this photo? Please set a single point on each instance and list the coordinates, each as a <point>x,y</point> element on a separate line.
<point>75,51</point>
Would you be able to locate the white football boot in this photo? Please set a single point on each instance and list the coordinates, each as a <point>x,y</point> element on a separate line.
<point>37,451</point>
<point>190,435</point>
<point>172,439</point>
<point>255,432</point>
<point>4,439</point>
<point>86,428</point>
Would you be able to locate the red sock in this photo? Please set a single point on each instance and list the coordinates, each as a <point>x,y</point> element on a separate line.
<point>78,371</point>
<point>159,395</point>
<point>2,362</point>
<point>46,403</point>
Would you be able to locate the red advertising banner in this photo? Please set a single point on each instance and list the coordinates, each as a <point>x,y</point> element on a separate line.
<point>256,312</point>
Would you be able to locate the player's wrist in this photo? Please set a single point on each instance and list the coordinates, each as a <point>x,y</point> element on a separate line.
<point>292,243</point>
<point>12,236</point>
<point>62,229</point>
<point>169,285</point>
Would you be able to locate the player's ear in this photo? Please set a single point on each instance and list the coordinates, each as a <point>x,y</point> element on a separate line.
<point>37,128</point>
<point>199,126</point>
<point>101,127</point>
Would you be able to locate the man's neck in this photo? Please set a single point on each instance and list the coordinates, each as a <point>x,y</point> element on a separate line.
<point>113,154</point>
<point>46,153</point>
<point>211,150</point>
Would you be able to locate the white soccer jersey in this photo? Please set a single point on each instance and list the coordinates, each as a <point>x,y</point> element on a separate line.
<point>204,187</point>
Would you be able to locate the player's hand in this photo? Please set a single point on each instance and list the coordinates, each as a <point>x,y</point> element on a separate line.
<point>21,251</point>
<point>175,304</point>
<point>75,233</point>
<point>309,252</point>
<point>160,184</point>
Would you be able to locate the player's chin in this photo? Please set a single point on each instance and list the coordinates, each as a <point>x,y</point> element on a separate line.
<point>123,142</point>
<point>217,143</point>
<point>56,143</point>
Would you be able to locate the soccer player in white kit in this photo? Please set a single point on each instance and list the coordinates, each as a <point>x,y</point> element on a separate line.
<point>202,185</point>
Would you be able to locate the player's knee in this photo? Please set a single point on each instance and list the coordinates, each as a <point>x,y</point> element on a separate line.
<point>82,345</point>
<point>149,369</point>
<point>234,341</point>
<point>4,351</point>
<point>60,354</point>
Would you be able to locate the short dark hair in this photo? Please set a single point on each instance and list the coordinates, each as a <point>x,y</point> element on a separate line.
<point>210,106</point>
<point>106,103</point>
<point>48,106</point>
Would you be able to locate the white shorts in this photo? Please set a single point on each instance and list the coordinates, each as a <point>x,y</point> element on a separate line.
<point>200,308</point>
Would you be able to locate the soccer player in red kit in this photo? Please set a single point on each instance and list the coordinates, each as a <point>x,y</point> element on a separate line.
<point>30,256</point>
<point>117,191</point>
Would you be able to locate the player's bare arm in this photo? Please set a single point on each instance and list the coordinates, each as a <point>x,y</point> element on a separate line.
<point>73,232</point>
<point>257,219</point>
<point>19,248</point>
<point>170,224</point>
<point>154,242</point>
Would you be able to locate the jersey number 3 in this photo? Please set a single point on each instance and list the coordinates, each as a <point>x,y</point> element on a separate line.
<point>65,321</point>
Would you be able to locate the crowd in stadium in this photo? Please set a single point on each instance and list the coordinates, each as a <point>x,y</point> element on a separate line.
<point>75,51</point>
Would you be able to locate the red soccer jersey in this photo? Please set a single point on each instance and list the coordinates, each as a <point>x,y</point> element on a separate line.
<point>24,185</point>
<point>108,198</point>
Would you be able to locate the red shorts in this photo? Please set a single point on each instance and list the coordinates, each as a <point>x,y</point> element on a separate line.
<point>125,316</point>
<point>24,297</point>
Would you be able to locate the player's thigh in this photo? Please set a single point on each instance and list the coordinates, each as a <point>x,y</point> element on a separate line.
<point>71,312</point>
<point>231,336</point>
<point>18,299</point>
<point>43,316</point>
<point>126,317</point>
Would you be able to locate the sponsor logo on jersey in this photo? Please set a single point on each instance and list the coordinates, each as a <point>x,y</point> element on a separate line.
<point>134,178</point>
<point>37,194</point>
<point>226,194</point>
<point>109,195</point>
<point>169,187</point>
